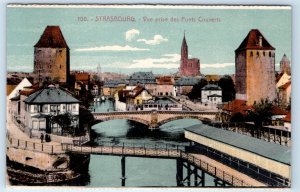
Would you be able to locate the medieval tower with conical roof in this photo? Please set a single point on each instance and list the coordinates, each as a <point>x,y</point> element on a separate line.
<point>255,69</point>
<point>51,57</point>
<point>285,65</point>
<point>188,67</point>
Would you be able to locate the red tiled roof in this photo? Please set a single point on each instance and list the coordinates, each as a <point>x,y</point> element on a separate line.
<point>82,77</point>
<point>237,106</point>
<point>27,92</point>
<point>287,117</point>
<point>52,37</point>
<point>252,42</point>
<point>285,86</point>
<point>164,80</point>
<point>278,111</point>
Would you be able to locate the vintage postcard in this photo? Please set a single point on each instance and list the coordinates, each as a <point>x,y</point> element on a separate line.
<point>148,96</point>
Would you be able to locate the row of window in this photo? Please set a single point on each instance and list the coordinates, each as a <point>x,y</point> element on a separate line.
<point>51,108</point>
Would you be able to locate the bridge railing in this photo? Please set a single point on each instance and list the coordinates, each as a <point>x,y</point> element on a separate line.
<point>150,150</point>
<point>34,146</point>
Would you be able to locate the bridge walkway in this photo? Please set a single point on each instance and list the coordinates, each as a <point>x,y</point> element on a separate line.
<point>210,166</point>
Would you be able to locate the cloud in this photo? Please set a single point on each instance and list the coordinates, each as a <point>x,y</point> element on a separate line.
<point>166,61</point>
<point>216,65</point>
<point>157,39</point>
<point>112,48</point>
<point>131,34</point>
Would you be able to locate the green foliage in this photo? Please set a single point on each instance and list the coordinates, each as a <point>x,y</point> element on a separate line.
<point>196,90</point>
<point>260,114</point>
<point>64,121</point>
<point>228,91</point>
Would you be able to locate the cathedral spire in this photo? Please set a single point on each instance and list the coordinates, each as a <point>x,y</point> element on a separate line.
<point>184,48</point>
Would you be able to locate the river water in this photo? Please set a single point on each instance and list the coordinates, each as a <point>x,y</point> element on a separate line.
<point>105,171</point>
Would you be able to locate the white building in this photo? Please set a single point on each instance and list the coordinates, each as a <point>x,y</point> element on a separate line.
<point>41,107</point>
<point>211,94</point>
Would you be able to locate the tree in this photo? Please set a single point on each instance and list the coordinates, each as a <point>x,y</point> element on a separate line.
<point>227,85</point>
<point>196,90</point>
<point>64,121</point>
<point>260,114</point>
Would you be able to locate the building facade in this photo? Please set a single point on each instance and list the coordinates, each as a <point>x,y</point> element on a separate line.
<point>188,67</point>
<point>51,57</point>
<point>255,69</point>
<point>211,94</point>
<point>43,105</point>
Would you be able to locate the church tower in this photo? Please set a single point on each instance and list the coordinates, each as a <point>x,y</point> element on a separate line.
<point>188,67</point>
<point>255,69</point>
<point>285,65</point>
<point>51,57</point>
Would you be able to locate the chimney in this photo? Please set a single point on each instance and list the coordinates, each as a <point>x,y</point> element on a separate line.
<point>260,41</point>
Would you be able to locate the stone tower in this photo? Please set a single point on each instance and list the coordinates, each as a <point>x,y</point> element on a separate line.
<point>51,57</point>
<point>285,65</point>
<point>188,67</point>
<point>255,68</point>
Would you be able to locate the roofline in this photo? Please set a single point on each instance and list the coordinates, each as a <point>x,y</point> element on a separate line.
<point>51,102</point>
<point>239,147</point>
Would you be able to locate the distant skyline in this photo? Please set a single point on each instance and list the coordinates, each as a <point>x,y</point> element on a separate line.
<point>125,47</point>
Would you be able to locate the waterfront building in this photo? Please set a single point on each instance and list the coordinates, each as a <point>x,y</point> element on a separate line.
<point>144,79</point>
<point>184,85</point>
<point>188,67</point>
<point>255,69</point>
<point>43,105</point>
<point>236,108</point>
<point>285,65</point>
<point>128,100</point>
<point>112,86</point>
<point>211,94</point>
<point>82,81</point>
<point>51,57</point>
<point>165,86</point>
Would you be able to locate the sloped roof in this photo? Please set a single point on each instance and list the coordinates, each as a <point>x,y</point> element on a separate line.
<point>82,77</point>
<point>50,95</point>
<point>211,87</point>
<point>285,59</point>
<point>278,111</point>
<point>187,81</point>
<point>165,80</point>
<point>52,37</point>
<point>142,75</point>
<point>252,42</point>
<point>237,106</point>
<point>266,149</point>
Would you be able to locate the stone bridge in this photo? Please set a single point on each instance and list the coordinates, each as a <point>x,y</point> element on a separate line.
<point>154,119</point>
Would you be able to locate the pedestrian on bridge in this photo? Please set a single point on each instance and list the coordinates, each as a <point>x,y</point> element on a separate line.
<point>42,137</point>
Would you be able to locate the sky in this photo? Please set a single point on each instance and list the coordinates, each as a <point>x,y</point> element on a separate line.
<point>145,44</point>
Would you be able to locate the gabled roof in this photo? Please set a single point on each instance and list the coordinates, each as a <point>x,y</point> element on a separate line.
<point>50,95</point>
<point>82,77</point>
<point>164,80</point>
<point>237,106</point>
<point>278,111</point>
<point>52,37</point>
<point>252,42</point>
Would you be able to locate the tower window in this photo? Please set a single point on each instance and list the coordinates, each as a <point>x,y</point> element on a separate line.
<point>270,54</point>
<point>60,66</point>
<point>264,53</point>
<point>251,53</point>
<point>257,53</point>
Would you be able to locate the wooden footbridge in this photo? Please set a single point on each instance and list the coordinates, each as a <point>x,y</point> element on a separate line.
<point>224,175</point>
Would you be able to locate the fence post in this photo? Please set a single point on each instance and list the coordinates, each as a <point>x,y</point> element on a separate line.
<point>42,147</point>
<point>34,145</point>
<point>18,142</point>
<point>52,149</point>
<point>25,144</point>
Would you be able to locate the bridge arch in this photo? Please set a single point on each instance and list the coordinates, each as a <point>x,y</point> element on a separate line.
<point>96,121</point>
<point>181,117</point>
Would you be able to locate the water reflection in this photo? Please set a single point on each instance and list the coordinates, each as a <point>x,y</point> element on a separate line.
<point>105,171</point>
